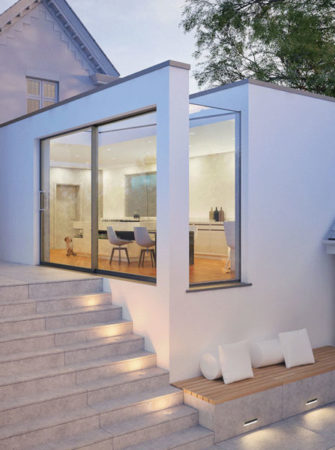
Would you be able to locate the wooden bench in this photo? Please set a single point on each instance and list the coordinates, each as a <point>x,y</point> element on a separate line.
<point>273,394</point>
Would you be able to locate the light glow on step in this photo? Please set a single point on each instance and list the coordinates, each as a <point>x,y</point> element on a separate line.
<point>113,330</point>
<point>91,301</point>
<point>134,364</point>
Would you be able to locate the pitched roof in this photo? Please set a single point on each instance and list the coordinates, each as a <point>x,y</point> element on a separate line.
<point>70,23</point>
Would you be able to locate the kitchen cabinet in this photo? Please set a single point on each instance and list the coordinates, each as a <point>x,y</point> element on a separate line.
<point>210,240</point>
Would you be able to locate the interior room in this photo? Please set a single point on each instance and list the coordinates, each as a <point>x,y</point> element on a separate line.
<point>123,181</point>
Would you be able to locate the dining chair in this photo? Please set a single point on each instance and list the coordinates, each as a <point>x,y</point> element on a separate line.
<point>143,239</point>
<point>118,244</point>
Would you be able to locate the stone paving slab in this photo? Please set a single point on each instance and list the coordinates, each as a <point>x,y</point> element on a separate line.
<point>18,274</point>
<point>314,430</point>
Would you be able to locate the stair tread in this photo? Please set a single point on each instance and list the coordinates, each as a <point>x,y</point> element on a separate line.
<point>71,347</point>
<point>126,400</point>
<point>50,332</point>
<point>81,388</point>
<point>67,312</point>
<point>73,367</point>
<point>78,441</point>
<point>170,441</point>
<point>48,299</point>
<point>148,420</point>
<point>128,376</point>
<point>67,416</point>
<point>45,422</point>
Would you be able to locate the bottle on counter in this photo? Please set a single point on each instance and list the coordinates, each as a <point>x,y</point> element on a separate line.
<point>221,215</point>
<point>211,214</point>
<point>216,214</point>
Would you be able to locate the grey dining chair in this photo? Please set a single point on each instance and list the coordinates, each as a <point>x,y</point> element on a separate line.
<point>118,244</point>
<point>143,239</point>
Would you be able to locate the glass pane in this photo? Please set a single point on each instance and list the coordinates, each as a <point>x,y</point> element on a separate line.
<point>49,89</point>
<point>48,103</point>
<point>32,105</point>
<point>33,87</point>
<point>66,199</point>
<point>127,196</point>
<point>212,171</point>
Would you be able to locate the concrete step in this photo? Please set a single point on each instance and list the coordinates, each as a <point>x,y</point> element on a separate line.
<point>194,438</point>
<point>42,430</point>
<point>88,440</point>
<point>27,306</point>
<point>45,429</point>
<point>34,406</point>
<point>61,288</point>
<point>28,342</point>
<point>151,426</point>
<point>70,354</point>
<point>23,290</point>
<point>45,380</point>
<point>138,430</point>
<point>138,403</point>
<point>56,320</point>
<point>122,385</point>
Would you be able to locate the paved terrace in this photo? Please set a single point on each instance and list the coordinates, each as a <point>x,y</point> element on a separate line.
<point>19,274</point>
<point>314,430</point>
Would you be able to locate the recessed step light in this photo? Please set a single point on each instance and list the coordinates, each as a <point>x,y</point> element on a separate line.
<point>250,422</point>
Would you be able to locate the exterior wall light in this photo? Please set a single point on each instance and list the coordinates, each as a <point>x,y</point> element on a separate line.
<point>311,401</point>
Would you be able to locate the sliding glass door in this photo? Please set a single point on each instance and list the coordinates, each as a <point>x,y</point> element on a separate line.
<point>66,200</point>
<point>127,196</point>
<point>98,198</point>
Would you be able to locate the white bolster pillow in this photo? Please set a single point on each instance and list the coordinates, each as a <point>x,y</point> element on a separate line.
<point>266,353</point>
<point>210,366</point>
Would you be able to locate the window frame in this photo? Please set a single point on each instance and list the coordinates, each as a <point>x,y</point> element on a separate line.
<point>237,281</point>
<point>94,199</point>
<point>41,98</point>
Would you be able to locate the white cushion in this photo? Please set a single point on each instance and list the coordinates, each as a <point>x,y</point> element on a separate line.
<point>235,362</point>
<point>210,366</point>
<point>296,348</point>
<point>266,353</point>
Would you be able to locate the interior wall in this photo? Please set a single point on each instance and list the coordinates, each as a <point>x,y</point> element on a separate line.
<point>73,177</point>
<point>212,184</point>
<point>114,188</point>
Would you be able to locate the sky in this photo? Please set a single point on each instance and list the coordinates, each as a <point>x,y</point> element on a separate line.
<point>136,34</point>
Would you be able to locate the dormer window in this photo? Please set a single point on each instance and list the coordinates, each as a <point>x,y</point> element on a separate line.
<point>41,93</point>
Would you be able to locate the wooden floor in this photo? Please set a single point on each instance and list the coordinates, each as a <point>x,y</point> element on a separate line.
<point>216,391</point>
<point>203,269</point>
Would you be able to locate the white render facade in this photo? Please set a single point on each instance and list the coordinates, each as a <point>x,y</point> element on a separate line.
<point>45,40</point>
<point>287,158</point>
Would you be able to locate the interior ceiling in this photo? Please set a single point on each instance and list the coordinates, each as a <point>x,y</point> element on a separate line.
<point>138,146</point>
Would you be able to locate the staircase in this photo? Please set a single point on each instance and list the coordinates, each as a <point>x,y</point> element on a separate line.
<point>74,376</point>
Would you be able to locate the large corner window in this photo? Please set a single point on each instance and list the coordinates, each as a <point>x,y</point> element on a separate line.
<point>214,187</point>
<point>98,198</point>
<point>40,93</point>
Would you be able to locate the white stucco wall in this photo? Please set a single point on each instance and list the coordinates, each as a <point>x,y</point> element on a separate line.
<point>165,86</point>
<point>35,46</point>
<point>288,161</point>
<point>288,182</point>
